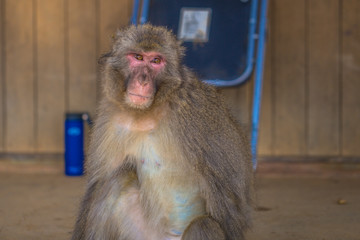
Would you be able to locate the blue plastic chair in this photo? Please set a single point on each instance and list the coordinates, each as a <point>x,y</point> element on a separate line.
<point>221,38</point>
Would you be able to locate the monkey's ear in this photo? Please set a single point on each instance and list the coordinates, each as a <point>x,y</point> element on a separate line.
<point>104,57</point>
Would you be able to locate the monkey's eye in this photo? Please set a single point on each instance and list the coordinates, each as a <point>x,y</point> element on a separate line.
<point>139,57</point>
<point>156,60</point>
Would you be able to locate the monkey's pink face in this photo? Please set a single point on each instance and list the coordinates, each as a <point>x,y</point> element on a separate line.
<point>141,87</point>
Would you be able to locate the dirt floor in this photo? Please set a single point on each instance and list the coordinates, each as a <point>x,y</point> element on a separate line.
<point>38,202</point>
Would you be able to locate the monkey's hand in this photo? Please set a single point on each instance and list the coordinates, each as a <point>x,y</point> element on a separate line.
<point>203,228</point>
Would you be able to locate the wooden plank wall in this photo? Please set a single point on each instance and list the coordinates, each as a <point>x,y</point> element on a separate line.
<point>48,66</point>
<point>50,69</point>
<point>310,105</point>
<point>323,67</point>
<point>2,76</point>
<point>327,111</point>
<point>19,76</point>
<point>350,76</point>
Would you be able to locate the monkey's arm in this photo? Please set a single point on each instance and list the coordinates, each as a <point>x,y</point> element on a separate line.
<point>226,190</point>
<point>97,195</point>
<point>218,150</point>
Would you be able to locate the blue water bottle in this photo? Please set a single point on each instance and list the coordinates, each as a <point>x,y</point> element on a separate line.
<point>74,144</point>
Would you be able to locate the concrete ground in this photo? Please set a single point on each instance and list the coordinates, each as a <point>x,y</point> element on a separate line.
<point>294,202</point>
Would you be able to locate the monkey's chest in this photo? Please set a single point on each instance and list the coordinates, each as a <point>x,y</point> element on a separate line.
<point>170,190</point>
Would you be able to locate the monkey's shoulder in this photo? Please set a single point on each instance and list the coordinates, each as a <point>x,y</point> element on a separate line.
<point>198,104</point>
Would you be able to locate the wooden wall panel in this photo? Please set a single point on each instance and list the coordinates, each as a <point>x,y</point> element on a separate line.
<point>113,14</point>
<point>310,101</point>
<point>2,75</point>
<point>238,100</point>
<point>82,56</point>
<point>289,76</point>
<point>265,141</point>
<point>19,76</point>
<point>50,75</point>
<point>351,78</point>
<point>323,77</point>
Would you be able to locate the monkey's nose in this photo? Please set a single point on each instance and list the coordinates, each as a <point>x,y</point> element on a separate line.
<point>144,80</point>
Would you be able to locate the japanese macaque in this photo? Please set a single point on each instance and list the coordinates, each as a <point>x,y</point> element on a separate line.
<point>166,160</point>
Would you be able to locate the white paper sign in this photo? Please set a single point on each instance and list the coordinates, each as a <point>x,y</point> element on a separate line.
<point>194,24</point>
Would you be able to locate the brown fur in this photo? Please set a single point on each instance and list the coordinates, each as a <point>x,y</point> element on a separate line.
<point>186,143</point>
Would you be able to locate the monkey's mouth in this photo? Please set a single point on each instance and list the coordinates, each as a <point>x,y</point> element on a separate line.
<point>138,99</point>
